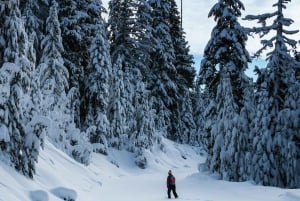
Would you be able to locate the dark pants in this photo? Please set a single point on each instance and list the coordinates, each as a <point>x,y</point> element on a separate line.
<point>173,189</point>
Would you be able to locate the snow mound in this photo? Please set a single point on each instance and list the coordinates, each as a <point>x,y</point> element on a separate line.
<point>39,195</point>
<point>65,193</point>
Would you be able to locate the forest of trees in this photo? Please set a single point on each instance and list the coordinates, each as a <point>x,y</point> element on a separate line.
<point>87,84</point>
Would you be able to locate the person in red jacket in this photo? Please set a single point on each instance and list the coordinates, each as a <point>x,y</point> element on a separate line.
<point>171,185</point>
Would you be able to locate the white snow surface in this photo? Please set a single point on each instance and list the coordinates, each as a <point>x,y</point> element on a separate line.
<point>117,178</point>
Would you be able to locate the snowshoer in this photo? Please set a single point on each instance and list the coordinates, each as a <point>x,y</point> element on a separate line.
<point>171,185</point>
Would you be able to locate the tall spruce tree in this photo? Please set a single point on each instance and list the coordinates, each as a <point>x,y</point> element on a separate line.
<point>79,25</point>
<point>143,136</point>
<point>56,98</point>
<point>129,50</point>
<point>144,30</point>
<point>53,74</point>
<point>187,130</point>
<point>116,113</point>
<point>97,85</point>
<point>184,77</point>
<point>20,146</point>
<point>276,139</point>
<point>162,78</point>
<point>224,63</point>
<point>200,103</point>
<point>123,50</point>
<point>52,78</point>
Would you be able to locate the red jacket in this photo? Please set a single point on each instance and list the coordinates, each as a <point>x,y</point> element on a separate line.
<point>171,180</point>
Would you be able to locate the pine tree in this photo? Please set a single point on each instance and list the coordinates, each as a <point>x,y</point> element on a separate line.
<point>200,103</point>
<point>32,26</point>
<point>187,126</point>
<point>129,35</point>
<point>263,164</point>
<point>143,137</point>
<point>144,30</point>
<point>162,77</point>
<point>53,73</point>
<point>224,64</point>
<point>79,23</point>
<point>116,113</point>
<point>35,15</point>
<point>17,80</point>
<point>185,73</point>
<point>124,49</point>
<point>282,99</point>
<point>97,85</point>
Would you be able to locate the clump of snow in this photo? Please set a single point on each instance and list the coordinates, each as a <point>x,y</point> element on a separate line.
<point>39,195</point>
<point>65,193</point>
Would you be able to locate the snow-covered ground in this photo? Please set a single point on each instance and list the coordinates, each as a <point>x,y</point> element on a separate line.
<point>116,178</point>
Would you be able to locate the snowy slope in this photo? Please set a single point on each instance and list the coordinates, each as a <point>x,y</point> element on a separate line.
<point>116,178</point>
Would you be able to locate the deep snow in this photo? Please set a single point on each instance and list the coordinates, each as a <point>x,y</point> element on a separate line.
<point>116,178</point>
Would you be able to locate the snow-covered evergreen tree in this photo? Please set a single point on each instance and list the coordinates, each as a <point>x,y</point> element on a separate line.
<point>21,146</point>
<point>116,113</point>
<point>162,77</point>
<point>97,85</point>
<point>31,99</point>
<point>187,128</point>
<point>143,136</point>
<point>281,101</point>
<point>130,41</point>
<point>53,74</point>
<point>35,14</point>
<point>143,25</point>
<point>32,26</point>
<point>55,103</point>
<point>200,102</point>
<point>229,125</point>
<point>263,164</point>
<point>122,34</point>
<point>185,74</point>
<point>79,24</point>
<point>224,64</point>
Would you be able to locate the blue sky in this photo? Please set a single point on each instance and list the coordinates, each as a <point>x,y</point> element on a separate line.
<point>261,63</point>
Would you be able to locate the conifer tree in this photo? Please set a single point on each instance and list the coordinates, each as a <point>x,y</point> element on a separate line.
<point>224,64</point>
<point>19,145</point>
<point>200,102</point>
<point>162,78</point>
<point>53,73</point>
<point>97,85</point>
<point>116,112</point>
<point>185,73</point>
<point>144,35</point>
<point>53,77</point>
<point>35,14</point>
<point>56,96</point>
<point>281,100</point>
<point>143,137</point>
<point>32,26</point>
<point>79,25</point>
<point>128,33</point>
<point>187,128</point>
<point>124,48</point>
